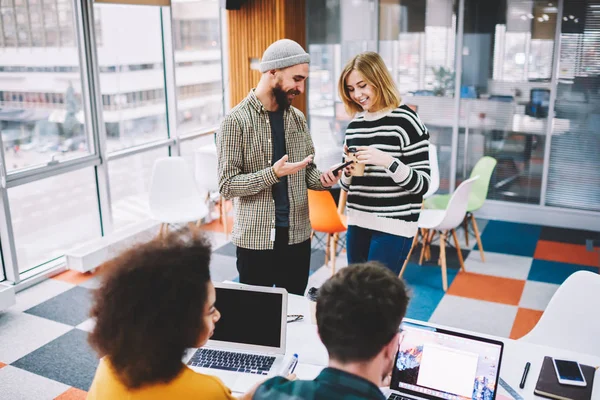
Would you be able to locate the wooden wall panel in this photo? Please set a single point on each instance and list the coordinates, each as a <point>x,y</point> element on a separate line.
<point>251,30</point>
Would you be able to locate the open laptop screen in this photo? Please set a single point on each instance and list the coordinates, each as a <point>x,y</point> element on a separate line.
<point>249,317</point>
<point>439,364</point>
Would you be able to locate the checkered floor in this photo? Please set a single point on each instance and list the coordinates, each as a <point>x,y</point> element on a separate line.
<point>43,345</point>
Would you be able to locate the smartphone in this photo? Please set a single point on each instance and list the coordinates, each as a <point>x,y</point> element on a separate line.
<point>569,372</point>
<point>339,167</point>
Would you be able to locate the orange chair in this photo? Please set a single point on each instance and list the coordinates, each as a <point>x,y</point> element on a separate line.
<point>324,217</point>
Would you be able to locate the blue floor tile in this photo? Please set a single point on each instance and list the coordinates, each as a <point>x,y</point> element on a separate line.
<point>554,272</point>
<point>510,238</point>
<point>425,285</point>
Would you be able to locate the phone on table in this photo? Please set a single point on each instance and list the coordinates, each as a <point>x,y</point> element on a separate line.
<point>569,372</point>
<point>341,166</point>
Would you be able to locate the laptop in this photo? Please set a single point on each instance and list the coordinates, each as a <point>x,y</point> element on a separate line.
<point>435,363</point>
<point>248,344</point>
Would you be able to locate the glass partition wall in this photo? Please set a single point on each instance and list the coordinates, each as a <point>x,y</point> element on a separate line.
<point>517,80</point>
<point>88,101</point>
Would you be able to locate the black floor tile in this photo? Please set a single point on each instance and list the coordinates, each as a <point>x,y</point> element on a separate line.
<point>571,236</point>
<point>68,359</point>
<point>71,307</point>
<point>228,249</point>
<point>317,259</point>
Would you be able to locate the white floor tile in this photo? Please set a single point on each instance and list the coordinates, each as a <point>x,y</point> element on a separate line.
<point>537,295</point>
<point>21,333</point>
<point>87,325</point>
<point>40,293</point>
<point>18,384</point>
<point>475,315</point>
<point>501,265</point>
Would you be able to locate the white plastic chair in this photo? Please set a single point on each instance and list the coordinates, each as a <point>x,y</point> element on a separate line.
<point>174,196</point>
<point>571,319</point>
<point>207,177</point>
<point>434,184</point>
<point>443,221</point>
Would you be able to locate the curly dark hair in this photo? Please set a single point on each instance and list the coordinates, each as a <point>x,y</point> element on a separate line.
<point>359,310</point>
<point>149,307</point>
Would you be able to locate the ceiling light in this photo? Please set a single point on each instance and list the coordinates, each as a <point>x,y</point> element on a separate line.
<point>524,17</point>
<point>540,19</point>
<point>530,16</point>
<point>571,16</point>
<point>565,19</point>
<point>576,20</point>
<point>545,17</point>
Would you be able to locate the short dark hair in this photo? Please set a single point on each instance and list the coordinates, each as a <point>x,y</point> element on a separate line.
<point>359,310</point>
<point>149,307</point>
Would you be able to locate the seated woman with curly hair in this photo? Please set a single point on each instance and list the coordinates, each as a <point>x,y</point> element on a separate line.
<point>155,301</point>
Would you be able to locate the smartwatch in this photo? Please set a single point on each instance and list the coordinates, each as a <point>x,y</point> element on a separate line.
<point>393,166</point>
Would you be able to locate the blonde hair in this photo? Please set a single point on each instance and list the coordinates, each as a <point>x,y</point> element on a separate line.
<point>373,69</point>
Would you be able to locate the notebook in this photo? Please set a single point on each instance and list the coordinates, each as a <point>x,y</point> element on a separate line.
<point>548,386</point>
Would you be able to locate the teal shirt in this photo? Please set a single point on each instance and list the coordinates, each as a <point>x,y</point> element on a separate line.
<point>331,384</point>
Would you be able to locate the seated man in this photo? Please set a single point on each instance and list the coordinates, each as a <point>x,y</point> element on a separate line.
<point>359,311</point>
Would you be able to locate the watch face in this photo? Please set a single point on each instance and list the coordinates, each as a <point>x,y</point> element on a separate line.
<point>394,166</point>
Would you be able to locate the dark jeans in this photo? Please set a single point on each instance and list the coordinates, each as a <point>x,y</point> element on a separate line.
<point>368,245</point>
<point>285,266</point>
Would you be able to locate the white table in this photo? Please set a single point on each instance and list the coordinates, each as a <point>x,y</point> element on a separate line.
<point>302,339</point>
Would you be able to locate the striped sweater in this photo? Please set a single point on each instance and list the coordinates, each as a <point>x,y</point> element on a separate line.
<point>382,200</point>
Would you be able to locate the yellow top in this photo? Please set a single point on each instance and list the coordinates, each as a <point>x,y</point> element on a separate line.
<point>187,385</point>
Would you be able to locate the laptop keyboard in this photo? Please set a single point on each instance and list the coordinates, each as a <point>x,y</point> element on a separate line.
<point>395,396</point>
<point>231,361</point>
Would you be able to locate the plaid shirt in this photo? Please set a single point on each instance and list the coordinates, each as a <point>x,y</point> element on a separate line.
<point>331,384</point>
<point>246,174</point>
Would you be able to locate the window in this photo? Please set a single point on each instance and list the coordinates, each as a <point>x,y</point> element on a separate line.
<point>196,37</point>
<point>130,123</point>
<point>129,186</point>
<point>52,215</point>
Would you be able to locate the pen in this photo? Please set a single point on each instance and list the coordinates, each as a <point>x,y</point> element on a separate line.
<point>289,369</point>
<point>524,378</point>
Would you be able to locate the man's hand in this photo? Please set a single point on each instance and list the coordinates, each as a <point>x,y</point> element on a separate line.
<point>373,156</point>
<point>283,168</point>
<point>328,179</point>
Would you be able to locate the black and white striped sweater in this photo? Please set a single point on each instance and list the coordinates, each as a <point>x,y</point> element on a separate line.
<point>382,200</point>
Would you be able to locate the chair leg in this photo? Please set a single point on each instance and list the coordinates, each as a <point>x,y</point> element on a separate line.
<point>424,245</point>
<point>429,240</point>
<point>458,251</point>
<point>334,252</point>
<point>466,228</point>
<point>476,229</point>
<point>443,258</point>
<point>327,249</point>
<point>412,246</point>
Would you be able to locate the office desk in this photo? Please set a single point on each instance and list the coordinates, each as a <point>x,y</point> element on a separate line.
<point>303,340</point>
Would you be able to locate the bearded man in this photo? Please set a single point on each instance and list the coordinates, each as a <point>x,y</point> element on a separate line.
<point>265,156</point>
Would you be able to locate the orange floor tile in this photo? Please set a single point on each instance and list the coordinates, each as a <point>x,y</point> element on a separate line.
<point>74,277</point>
<point>217,226</point>
<point>524,322</point>
<point>488,288</point>
<point>72,394</point>
<point>565,253</point>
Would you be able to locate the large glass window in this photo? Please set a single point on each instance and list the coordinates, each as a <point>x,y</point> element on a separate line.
<point>198,71</point>
<point>52,215</point>
<point>505,92</point>
<point>132,80</point>
<point>129,185</point>
<point>574,174</point>
<point>41,110</point>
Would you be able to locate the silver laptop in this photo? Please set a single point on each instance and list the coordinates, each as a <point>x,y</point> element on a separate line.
<point>248,344</point>
<point>434,363</point>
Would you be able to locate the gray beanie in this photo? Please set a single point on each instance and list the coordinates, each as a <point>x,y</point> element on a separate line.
<point>282,54</point>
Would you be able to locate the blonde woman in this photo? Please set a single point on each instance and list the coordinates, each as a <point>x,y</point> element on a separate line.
<point>391,141</point>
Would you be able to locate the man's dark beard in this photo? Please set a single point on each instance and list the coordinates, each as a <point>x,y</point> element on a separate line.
<point>281,97</point>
